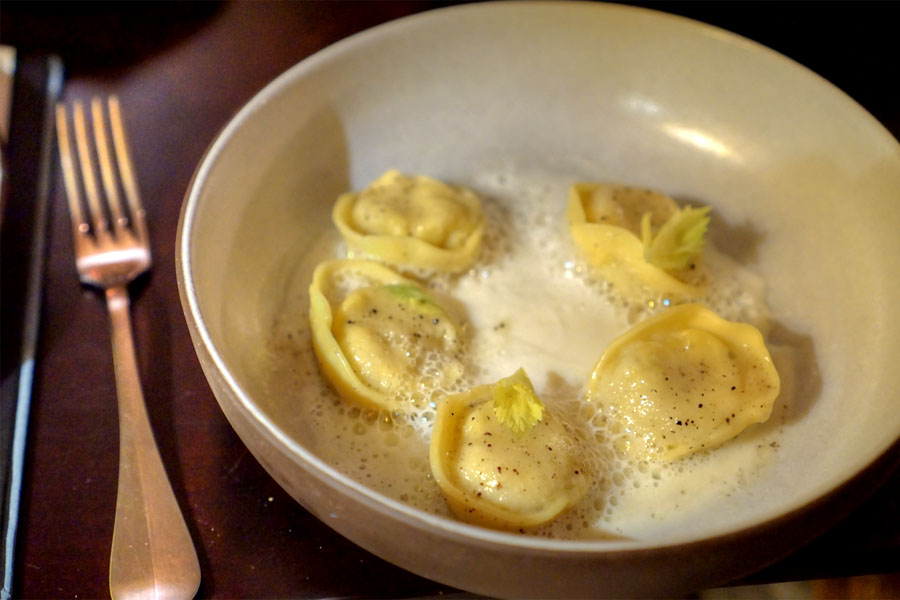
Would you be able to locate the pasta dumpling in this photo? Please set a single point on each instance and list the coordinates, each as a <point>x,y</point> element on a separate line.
<point>499,476</point>
<point>683,381</point>
<point>379,338</point>
<point>412,221</point>
<point>613,224</point>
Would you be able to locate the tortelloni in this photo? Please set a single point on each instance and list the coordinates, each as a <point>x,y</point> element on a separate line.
<point>496,476</point>
<point>683,381</point>
<point>610,223</point>
<point>412,222</point>
<point>379,338</point>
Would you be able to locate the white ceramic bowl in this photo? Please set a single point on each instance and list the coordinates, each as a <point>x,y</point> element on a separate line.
<point>614,93</point>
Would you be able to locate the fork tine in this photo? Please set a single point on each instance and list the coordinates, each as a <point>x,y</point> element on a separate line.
<point>126,169</point>
<point>101,143</point>
<point>98,216</point>
<point>70,172</point>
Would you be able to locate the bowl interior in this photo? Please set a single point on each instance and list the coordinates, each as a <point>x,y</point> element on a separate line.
<point>803,182</point>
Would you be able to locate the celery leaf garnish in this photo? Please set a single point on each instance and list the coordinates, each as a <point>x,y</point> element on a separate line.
<point>414,295</point>
<point>678,241</point>
<point>516,404</point>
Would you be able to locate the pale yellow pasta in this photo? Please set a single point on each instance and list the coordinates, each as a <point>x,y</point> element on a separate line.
<point>684,381</point>
<point>496,477</point>
<point>379,338</point>
<point>605,221</point>
<point>412,222</point>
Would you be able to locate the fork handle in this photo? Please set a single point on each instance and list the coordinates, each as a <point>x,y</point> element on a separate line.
<point>152,552</point>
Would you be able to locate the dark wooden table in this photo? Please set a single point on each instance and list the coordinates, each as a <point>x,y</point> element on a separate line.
<point>181,70</point>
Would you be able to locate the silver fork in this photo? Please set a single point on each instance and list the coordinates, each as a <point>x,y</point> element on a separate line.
<point>152,554</point>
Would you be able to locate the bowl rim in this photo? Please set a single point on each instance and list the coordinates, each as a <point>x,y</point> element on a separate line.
<point>875,467</point>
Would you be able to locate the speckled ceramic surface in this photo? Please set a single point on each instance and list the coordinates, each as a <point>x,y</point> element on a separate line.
<point>805,183</point>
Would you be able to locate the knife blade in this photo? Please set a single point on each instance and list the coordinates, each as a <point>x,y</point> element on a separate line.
<point>36,84</point>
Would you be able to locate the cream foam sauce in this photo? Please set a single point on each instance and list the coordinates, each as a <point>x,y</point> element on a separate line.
<point>528,302</point>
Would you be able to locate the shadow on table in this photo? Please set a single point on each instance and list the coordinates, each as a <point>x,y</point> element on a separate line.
<point>100,36</point>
